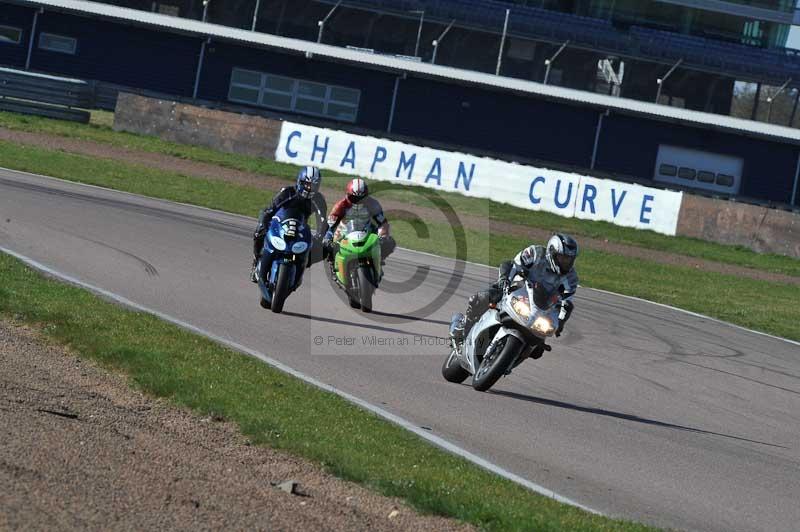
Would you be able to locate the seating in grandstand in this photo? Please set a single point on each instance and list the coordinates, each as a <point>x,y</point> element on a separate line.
<point>536,23</point>
<point>760,63</point>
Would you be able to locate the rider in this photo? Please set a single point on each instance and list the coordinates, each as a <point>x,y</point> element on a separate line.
<point>305,197</point>
<point>357,193</point>
<point>558,257</point>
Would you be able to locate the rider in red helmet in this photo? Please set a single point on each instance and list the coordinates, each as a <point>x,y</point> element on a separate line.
<point>357,194</point>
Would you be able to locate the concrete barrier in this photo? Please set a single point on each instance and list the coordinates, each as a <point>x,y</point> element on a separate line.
<point>727,222</point>
<point>188,124</point>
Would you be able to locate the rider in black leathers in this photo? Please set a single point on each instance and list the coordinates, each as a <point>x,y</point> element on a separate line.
<point>305,197</point>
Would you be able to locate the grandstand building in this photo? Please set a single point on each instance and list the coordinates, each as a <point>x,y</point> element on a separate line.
<point>716,44</point>
<point>227,54</point>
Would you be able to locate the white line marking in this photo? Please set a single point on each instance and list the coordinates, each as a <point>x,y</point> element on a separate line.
<point>608,292</point>
<point>696,315</point>
<point>397,420</point>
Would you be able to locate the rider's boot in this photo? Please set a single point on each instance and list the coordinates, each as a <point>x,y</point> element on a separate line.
<point>539,350</point>
<point>253,272</point>
<point>457,329</point>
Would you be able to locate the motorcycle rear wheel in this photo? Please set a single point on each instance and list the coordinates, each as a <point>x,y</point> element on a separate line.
<point>491,369</point>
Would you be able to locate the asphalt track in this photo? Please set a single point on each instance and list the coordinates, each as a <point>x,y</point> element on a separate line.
<point>640,411</point>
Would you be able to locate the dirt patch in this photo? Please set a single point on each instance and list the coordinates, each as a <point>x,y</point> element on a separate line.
<point>209,171</point>
<point>80,449</point>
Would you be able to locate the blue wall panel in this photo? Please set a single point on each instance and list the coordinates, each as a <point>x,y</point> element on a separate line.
<point>497,122</point>
<point>629,146</point>
<point>119,53</point>
<point>375,86</point>
<point>13,55</point>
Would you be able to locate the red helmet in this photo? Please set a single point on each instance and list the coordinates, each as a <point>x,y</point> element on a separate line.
<point>356,190</point>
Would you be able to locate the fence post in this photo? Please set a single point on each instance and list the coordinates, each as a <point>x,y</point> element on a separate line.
<point>32,37</point>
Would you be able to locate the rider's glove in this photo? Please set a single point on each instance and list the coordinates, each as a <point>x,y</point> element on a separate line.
<point>327,243</point>
<point>504,284</point>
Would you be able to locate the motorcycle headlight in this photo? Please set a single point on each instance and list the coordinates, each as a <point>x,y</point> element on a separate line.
<point>277,242</point>
<point>299,247</point>
<point>542,325</point>
<point>521,307</point>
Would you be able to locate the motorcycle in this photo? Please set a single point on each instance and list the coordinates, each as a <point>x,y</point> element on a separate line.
<point>506,335</point>
<point>357,261</point>
<point>286,246</point>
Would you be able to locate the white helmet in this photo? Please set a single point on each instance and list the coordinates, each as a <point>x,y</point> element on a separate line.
<point>562,250</point>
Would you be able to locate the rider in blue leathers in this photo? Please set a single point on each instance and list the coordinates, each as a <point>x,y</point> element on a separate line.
<point>305,197</point>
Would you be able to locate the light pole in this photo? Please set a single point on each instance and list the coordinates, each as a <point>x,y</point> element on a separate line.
<point>771,99</point>
<point>202,54</point>
<point>322,22</point>
<point>502,44</point>
<point>421,13</point>
<point>660,81</point>
<point>438,41</point>
<point>548,63</point>
<point>255,15</point>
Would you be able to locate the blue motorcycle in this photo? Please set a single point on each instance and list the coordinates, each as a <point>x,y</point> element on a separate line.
<point>283,258</point>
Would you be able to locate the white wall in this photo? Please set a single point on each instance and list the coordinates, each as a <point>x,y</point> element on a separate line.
<point>528,187</point>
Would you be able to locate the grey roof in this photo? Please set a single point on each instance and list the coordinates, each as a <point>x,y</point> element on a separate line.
<point>399,64</point>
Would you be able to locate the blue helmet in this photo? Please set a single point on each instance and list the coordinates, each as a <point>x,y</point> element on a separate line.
<point>308,181</point>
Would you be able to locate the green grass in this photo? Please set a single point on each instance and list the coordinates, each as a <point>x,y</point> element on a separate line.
<point>274,409</point>
<point>100,131</point>
<point>765,306</point>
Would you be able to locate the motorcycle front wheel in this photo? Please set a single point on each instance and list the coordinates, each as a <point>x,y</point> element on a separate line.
<point>365,289</point>
<point>281,288</point>
<point>495,364</point>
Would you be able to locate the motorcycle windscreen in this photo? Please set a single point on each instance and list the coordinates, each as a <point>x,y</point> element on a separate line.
<point>287,223</point>
<point>358,220</point>
<point>546,288</point>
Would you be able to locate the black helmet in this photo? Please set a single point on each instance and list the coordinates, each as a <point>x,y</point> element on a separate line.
<point>562,250</point>
<point>308,181</point>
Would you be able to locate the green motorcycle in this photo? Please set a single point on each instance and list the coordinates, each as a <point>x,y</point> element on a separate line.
<point>357,263</point>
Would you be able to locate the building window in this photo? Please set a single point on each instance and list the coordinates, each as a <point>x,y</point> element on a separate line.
<point>705,177</point>
<point>166,9</point>
<point>58,43</point>
<point>725,180</point>
<point>686,173</point>
<point>669,170</point>
<point>296,95</point>
<point>10,35</point>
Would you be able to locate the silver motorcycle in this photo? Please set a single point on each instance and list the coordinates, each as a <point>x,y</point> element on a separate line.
<point>506,335</point>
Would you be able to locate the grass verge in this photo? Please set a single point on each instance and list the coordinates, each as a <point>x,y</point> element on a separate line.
<point>761,305</point>
<point>100,131</point>
<point>274,409</point>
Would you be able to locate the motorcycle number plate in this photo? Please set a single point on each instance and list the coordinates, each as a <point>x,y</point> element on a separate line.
<point>357,235</point>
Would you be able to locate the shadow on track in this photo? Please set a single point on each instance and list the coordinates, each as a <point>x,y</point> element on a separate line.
<point>410,318</point>
<point>362,325</point>
<point>620,415</point>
